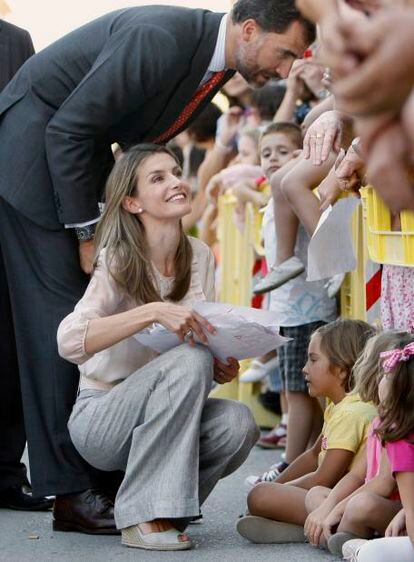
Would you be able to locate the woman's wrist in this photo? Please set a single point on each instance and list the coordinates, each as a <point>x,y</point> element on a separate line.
<point>148,313</point>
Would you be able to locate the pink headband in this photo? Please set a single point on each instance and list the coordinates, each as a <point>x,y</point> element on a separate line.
<point>394,356</point>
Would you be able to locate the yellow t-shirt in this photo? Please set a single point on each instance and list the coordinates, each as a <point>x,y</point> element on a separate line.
<point>345,425</point>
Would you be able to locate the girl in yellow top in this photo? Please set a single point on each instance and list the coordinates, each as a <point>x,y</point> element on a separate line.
<point>278,509</point>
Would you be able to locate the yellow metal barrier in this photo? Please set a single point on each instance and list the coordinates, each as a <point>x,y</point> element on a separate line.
<point>385,245</point>
<point>237,256</point>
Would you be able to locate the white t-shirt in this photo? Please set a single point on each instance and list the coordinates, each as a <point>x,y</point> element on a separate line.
<point>298,301</point>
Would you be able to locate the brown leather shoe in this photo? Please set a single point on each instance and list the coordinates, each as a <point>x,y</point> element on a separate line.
<point>89,512</point>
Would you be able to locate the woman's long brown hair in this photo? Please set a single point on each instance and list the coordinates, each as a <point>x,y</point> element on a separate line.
<point>123,236</point>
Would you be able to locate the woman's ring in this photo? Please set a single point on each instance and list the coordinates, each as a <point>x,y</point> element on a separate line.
<point>188,335</point>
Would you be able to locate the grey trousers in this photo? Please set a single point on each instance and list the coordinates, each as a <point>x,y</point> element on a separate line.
<point>159,426</point>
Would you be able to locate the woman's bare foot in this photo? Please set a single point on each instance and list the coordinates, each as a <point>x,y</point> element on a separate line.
<point>160,525</point>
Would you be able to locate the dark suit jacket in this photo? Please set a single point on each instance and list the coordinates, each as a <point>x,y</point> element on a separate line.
<point>123,78</point>
<point>15,48</point>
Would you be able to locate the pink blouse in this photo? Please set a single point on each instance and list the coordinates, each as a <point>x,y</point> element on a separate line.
<point>103,297</point>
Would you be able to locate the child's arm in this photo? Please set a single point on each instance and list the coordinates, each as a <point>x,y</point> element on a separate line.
<point>405,482</point>
<point>331,469</point>
<point>305,463</point>
<point>383,485</point>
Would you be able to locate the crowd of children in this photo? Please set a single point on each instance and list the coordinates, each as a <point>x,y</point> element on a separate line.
<point>346,390</point>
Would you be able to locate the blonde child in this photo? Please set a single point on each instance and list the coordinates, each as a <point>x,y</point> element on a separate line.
<point>369,479</point>
<point>278,510</point>
<point>396,431</point>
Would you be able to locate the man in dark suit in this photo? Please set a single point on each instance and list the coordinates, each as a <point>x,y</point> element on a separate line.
<point>15,48</point>
<point>140,74</point>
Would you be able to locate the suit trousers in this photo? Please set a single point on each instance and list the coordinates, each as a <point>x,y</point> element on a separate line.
<point>40,283</point>
<point>159,426</point>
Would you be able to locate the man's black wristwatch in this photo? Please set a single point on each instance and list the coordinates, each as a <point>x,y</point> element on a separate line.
<point>84,233</point>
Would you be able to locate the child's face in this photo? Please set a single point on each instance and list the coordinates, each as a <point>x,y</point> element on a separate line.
<point>319,376</point>
<point>276,150</point>
<point>247,151</point>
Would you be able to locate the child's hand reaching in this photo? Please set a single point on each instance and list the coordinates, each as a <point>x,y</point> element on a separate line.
<point>314,526</point>
<point>214,189</point>
<point>332,521</point>
<point>397,526</point>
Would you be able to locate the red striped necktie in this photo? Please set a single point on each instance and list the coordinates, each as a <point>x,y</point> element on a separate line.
<point>192,105</point>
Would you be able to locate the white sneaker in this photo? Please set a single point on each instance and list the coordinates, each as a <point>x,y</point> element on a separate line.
<point>351,548</point>
<point>258,370</point>
<point>333,285</point>
<point>280,275</point>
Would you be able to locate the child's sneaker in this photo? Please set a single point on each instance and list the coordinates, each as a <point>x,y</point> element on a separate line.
<point>269,476</point>
<point>351,548</point>
<point>280,275</point>
<point>276,439</point>
<point>258,370</point>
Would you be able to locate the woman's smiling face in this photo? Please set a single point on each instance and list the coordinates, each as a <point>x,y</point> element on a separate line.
<point>161,192</point>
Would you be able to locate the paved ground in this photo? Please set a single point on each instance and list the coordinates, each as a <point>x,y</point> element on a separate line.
<point>28,537</point>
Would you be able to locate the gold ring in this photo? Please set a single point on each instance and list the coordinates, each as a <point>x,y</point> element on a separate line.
<point>188,335</point>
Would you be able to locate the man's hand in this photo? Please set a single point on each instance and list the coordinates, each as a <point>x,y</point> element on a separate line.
<point>226,372</point>
<point>384,77</point>
<point>86,255</point>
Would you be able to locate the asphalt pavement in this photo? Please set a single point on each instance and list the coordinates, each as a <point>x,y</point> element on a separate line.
<point>28,537</point>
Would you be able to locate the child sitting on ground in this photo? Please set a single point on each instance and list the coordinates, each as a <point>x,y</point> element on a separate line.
<point>367,492</point>
<point>277,510</point>
<point>396,431</point>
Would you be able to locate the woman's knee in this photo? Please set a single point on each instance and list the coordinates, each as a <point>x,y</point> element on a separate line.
<point>242,428</point>
<point>195,366</point>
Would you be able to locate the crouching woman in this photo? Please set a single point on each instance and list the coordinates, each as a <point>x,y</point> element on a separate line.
<point>147,414</point>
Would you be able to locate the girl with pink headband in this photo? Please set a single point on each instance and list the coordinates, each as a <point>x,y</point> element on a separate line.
<point>396,431</point>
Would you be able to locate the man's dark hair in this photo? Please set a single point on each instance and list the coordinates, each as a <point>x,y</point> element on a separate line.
<point>273,16</point>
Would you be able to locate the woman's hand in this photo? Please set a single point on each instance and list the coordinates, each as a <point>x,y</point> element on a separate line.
<point>324,135</point>
<point>314,526</point>
<point>225,372</point>
<point>397,526</point>
<point>182,321</point>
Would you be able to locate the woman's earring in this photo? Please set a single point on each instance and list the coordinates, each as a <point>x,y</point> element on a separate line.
<point>140,210</point>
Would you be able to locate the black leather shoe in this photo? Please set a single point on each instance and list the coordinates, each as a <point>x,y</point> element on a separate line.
<point>21,499</point>
<point>90,512</point>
